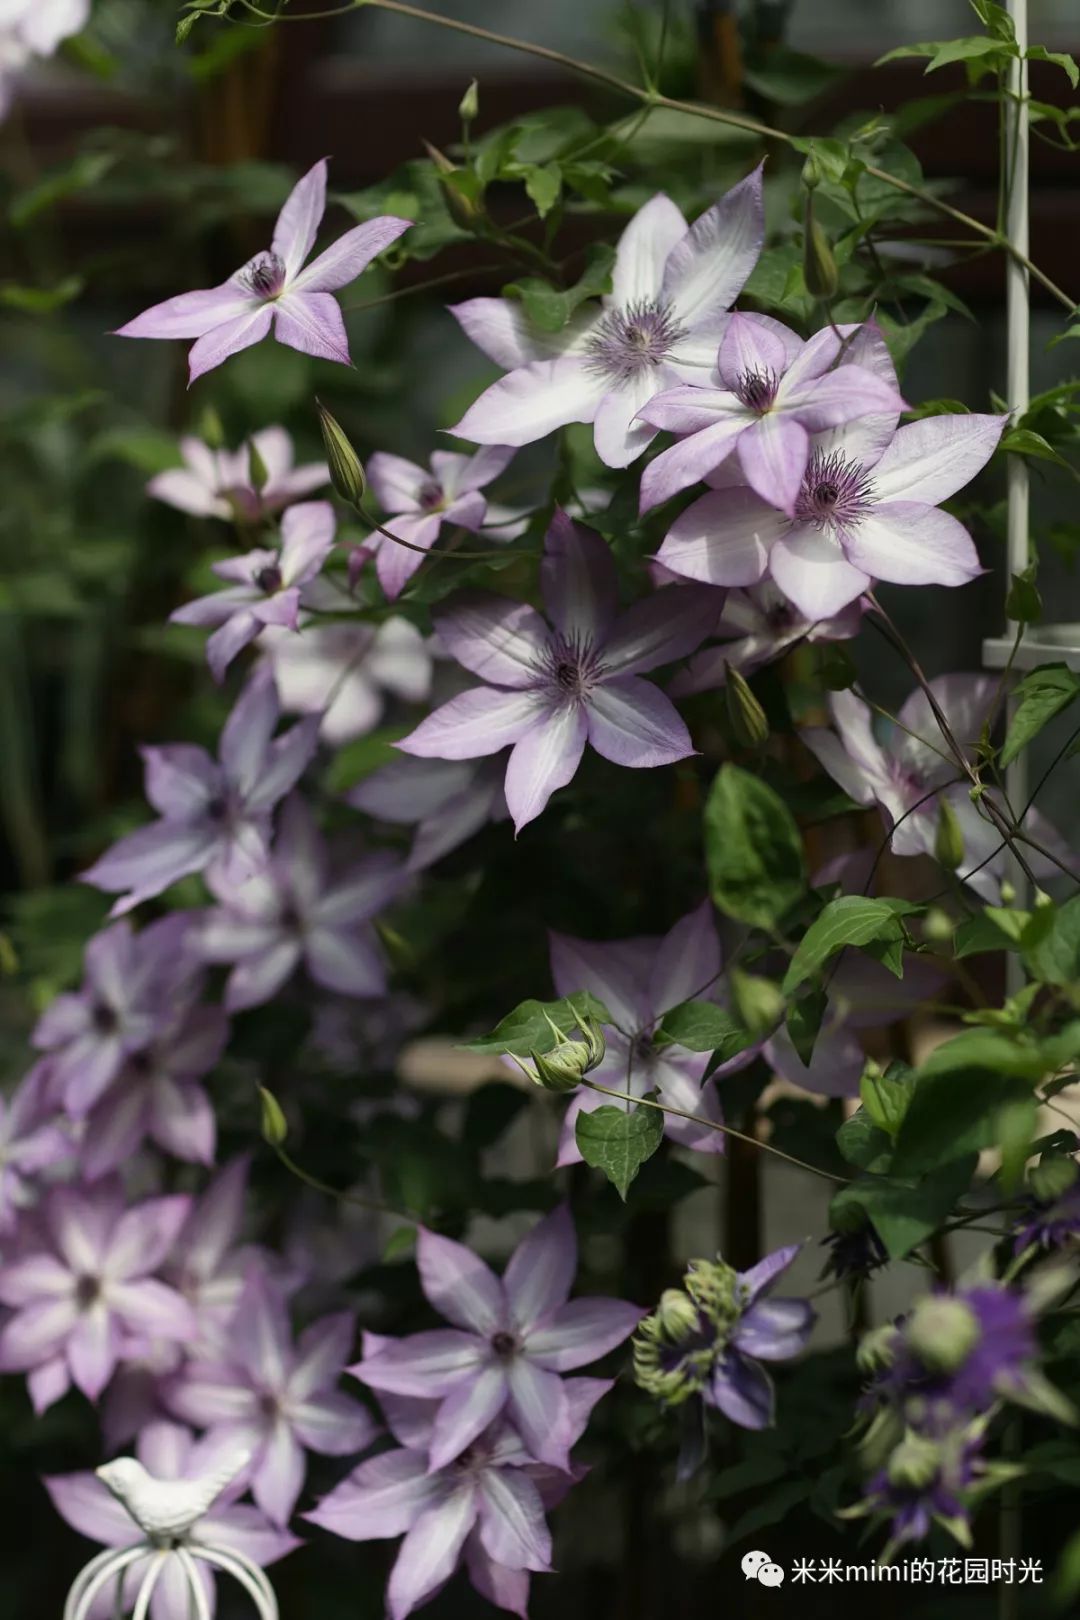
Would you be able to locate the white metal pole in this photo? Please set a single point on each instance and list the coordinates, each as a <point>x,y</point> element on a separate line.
<point>1018,381</point>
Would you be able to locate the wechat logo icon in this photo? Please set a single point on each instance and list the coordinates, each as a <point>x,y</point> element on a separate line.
<point>758,1566</point>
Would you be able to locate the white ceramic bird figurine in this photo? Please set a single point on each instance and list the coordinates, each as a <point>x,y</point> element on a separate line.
<point>166,1509</point>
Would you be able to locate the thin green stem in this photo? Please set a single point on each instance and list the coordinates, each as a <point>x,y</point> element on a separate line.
<point>374,1205</point>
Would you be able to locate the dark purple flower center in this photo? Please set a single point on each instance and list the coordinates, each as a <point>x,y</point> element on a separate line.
<point>628,341</point>
<point>104,1018</point>
<point>216,809</point>
<point>504,1345</point>
<point>264,274</point>
<point>87,1291</point>
<point>573,667</point>
<point>835,493</point>
<point>757,389</point>
<point>430,496</point>
<point>269,579</point>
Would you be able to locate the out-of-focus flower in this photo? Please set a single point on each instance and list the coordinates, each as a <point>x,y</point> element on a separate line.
<point>276,1397</point>
<point>775,392</point>
<point>709,1339</point>
<point>274,288</point>
<point>926,1482</point>
<point>213,812</point>
<point>1050,1219</point>
<point>446,800</point>
<point>659,326</point>
<point>224,1535</point>
<point>867,509</point>
<point>265,585</point>
<point>485,1508</point>
<point>908,774</point>
<point>218,483</point>
<point>295,910</point>
<point>555,687</point>
<point>421,499</point>
<point>343,672</point>
<point>32,1141</point>
<point>33,28</point>
<point>510,1341</point>
<point>132,984</point>
<point>638,980</point>
<point>83,1282</point>
<point>756,626</point>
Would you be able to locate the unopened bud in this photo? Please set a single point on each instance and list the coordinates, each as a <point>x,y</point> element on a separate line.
<point>949,838</point>
<point>346,468</point>
<point>1052,1177</point>
<point>275,1127</point>
<point>819,266</point>
<point>877,1349</point>
<point>1041,900</point>
<point>938,926</point>
<point>811,172</point>
<point>745,714</point>
<point>211,430</point>
<point>258,475</point>
<point>915,1462</point>
<point>1008,892</point>
<point>677,1316</point>
<point>759,1002</point>
<point>469,105</point>
<point>942,1332</point>
<point>464,210</point>
<point>567,1063</point>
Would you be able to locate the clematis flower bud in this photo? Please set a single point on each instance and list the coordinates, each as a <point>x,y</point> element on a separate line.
<point>677,1315</point>
<point>915,1462</point>
<point>258,474</point>
<point>949,838</point>
<point>469,105</point>
<point>567,1063</point>
<point>464,210</point>
<point>819,265</point>
<point>942,1333</point>
<point>758,1002</point>
<point>274,1125</point>
<point>877,1349</point>
<point>745,714</point>
<point>346,468</point>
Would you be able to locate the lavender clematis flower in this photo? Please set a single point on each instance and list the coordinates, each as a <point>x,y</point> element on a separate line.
<point>913,765</point>
<point>556,687</point>
<point>485,1509</point>
<point>214,813</point>
<point>343,672</point>
<point>32,1141</point>
<point>510,1341</point>
<point>266,585</point>
<point>422,499</point>
<point>659,326</point>
<point>710,1340</point>
<point>34,28</point>
<point>274,288</point>
<point>169,1452</point>
<point>446,800</point>
<point>85,1281</point>
<point>219,484</point>
<point>756,626</point>
<point>775,391</point>
<point>295,911</point>
<point>867,509</point>
<point>275,1397</point>
<point>132,981</point>
<point>639,980</point>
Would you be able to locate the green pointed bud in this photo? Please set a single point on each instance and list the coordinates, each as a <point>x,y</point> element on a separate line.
<point>745,714</point>
<point>942,1332</point>
<point>211,429</point>
<point>949,838</point>
<point>1041,900</point>
<point>562,1068</point>
<point>469,105</point>
<point>595,1041</point>
<point>185,25</point>
<point>677,1316</point>
<point>938,926</point>
<point>877,1349</point>
<point>819,266</point>
<point>915,1463</point>
<point>346,468</point>
<point>811,172</point>
<point>1008,892</point>
<point>758,1002</point>
<point>258,475</point>
<point>460,188</point>
<point>1052,1177</point>
<point>275,1127</point>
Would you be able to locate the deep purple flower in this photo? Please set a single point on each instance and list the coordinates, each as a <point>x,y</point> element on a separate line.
<point>296,910</point>
<point>276,1397</point>
<point>421,499</point>
<point>774,392</point>
<point>32,1140</point>
<point>274,289</point>
<point>710,1340</point>
<point>266,585</point>
<point>639,980</point>
<point>485,1508</point>
<point>169,1452</point>
<point>219,483</point>
<point>925,1482</point>
<point>213,812</point>
<point>867,509</point>
<point>756,626</point>
<point>914,765</point>
<point>555,687</point>
<point>83,1282</point>
<point>132,984</point>
<point>1048,1223</point>
<point>446,800</point>
<point>343,672</point>
<point>510,1341</point>
<point>659,326</point>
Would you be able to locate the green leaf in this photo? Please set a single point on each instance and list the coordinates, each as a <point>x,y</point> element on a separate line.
<point>1055,959</point>
<point>617,1142</point>
<point>701,1026</point>
<point>853,919</point>
<point>774,1508</point>
<point>753,850</point>
<point>549,308</point>
<point>527,1029</point>
<point>1039,53</point>
<point>40,300</point>
<point>941,52</point>
<point>954,1112</point>
<point>1042,694</point>
<point>905,1213</point>
<point>1021,441</point>
<point>863,1143</point>
<point>544,186</point>
<point>804,1019</point>
<point>359,758</point>
<point>86,170</point>
<point>1023,604</point>
<point>886,1096</point>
